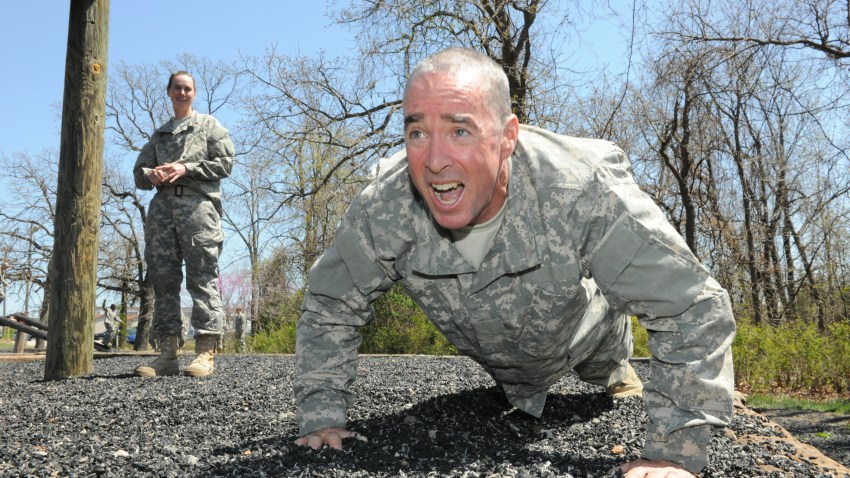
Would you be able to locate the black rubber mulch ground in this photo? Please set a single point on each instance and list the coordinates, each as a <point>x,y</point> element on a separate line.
<point>423,416</point>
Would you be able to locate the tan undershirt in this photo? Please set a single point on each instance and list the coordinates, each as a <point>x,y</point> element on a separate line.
<point>473,242</point>
<point>178,122</point>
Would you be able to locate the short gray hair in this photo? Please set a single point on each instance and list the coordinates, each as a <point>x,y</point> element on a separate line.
<point>457,60</point>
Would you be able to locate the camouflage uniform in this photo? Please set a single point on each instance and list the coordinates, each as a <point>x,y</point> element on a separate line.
<point>3,285</point>
<point>109,321</point>
<point>580,246</point>
<point>183,222</point>
<point>239,331</point>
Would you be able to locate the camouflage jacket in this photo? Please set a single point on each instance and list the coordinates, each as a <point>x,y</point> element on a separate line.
<point>578,237</point>
<point>201,143</point>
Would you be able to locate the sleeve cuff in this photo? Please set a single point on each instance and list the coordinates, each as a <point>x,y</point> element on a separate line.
<point>142,181</point>
<point>687,447</point>
<point>321,410</point>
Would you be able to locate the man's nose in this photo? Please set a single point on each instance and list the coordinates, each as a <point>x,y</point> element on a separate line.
<point>439,157</point>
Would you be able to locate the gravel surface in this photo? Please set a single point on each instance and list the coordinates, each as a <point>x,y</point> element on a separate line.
<point>423,416</point>
<point>826,431</point>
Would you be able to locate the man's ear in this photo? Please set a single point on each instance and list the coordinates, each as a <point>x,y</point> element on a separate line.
<point>509,137</point>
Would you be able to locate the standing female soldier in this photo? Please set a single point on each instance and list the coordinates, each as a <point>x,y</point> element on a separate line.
<point>185,161</point>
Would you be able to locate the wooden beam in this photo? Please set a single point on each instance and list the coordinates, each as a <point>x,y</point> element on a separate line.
<point>31,322</point>
<point>70,334</point>
<point>23,327</point>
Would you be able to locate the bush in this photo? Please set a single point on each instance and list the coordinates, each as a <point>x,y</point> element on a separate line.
<point>793,357</point>
<point>277,331</point>
<point>401,327</point>
<point>280,340</point>
<point>641,336</point>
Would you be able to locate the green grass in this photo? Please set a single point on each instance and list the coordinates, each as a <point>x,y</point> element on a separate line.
<point>790,403</point>
<point>641,338</point>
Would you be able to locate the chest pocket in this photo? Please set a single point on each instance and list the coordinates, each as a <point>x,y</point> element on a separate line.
<point>440,299</point>
<point>540,309</point>
<point>189,145</point>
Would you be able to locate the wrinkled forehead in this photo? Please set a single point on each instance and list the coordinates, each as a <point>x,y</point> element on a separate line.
<point>428,80</point>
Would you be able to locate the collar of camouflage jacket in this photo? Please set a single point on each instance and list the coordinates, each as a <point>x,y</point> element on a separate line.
<point>169,127</point>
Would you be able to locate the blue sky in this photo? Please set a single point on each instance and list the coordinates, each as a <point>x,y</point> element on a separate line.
<point>35,34</point>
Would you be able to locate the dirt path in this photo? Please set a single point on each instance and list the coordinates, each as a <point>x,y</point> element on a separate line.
<point>829,432</point>
<point>819,438</point>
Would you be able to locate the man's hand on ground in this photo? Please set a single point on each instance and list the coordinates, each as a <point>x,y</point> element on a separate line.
<point>331,437</point>
<point>642,468</point>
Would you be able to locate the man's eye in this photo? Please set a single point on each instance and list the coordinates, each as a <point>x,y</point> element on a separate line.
<point>414,134</point>
<point>460,132</point>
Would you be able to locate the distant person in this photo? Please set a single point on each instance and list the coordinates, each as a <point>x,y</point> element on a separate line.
<point>3,285</point>
<point>185,160</point>
<point>239,330</point>
<point>3,282</point>
<point>110,319</point>
<point>529,250</point>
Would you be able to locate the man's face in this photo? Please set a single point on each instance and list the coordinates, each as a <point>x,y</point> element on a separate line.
<point>182,91</point>
<point>457,150</point>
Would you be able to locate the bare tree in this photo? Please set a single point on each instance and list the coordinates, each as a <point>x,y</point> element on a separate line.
<point>253,216</point>
<point>395,34</point>
<point>122,266</point>
<point>26,222</point>
<point>775,128</point>
<point>312,136</point>
<point>822,26</point>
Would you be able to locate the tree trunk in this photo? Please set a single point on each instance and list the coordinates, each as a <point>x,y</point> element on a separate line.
<point>72,303</point>
<point>122,316</point>
<point>746,198</point>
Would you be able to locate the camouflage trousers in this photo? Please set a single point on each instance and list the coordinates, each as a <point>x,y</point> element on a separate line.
<point>610,355</point>
<point>184,229</point>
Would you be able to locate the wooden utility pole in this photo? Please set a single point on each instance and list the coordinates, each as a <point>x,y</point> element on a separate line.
<point>70,337</point>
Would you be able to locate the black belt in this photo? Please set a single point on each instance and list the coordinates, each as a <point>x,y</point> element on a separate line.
<point>179,190</point>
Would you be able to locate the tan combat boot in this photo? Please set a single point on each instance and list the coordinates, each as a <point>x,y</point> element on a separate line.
<point>630,386</point>
<point>203,363</point>
<point>167,362</point>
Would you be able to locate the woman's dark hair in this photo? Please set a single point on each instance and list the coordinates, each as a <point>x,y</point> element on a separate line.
<point>176,73</point>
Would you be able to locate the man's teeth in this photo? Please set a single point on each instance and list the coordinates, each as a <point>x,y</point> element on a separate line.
<point>448,193</point>
<point>445,187</point>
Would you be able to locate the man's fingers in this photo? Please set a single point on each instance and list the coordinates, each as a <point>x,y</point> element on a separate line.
<point>643,468</point>
<point>331,437</point>
<point>334,440</point>
<point>315,441</point>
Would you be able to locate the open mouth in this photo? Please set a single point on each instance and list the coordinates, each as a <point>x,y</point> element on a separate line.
<point>448,193</point>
